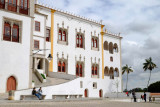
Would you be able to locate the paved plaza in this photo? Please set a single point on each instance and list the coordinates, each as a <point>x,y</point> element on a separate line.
<point>84,103</point>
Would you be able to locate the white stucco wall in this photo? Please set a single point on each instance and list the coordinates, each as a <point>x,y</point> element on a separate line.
<point>14,57</point>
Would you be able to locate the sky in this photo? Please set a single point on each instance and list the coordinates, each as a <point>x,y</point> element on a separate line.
<point>138,21</point>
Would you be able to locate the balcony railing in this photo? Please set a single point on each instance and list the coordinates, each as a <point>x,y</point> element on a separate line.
<point>14,8</point>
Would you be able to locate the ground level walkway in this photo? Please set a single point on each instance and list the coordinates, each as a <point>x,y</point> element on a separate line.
<point>76,103</point>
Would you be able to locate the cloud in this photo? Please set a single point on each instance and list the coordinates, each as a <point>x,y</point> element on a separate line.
<point>134,54</point>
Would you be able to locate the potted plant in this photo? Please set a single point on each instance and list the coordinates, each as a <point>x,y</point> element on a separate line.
<point>44,78</point>
<point>33,84</point>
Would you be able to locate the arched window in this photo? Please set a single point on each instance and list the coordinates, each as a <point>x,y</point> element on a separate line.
<point>81,41</point>
<point>80,71</point>
<point>106,71</point>
<point>15,33</point>
<point>59,66</point>
<point>95,43</point>
<point>95,70</point>
<point>105,45</point>
<point>60,35</point>
<point>77,40</point>
<point>7,32</point>
<point>92,70</point>
<point>116,72</point>
<point>111,47</point>
<point>77,70</point>
<point>92,42</point>
<point>111,73</point>
<point>63,67</point>
<point>86,93</point>
<point>64,36</point>
<point>115,48</point>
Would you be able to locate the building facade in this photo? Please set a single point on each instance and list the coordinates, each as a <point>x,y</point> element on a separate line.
<point>79,47</point>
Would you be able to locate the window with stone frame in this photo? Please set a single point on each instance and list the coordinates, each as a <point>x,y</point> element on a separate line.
<point>94,43</point>
<point>12,30</point>
<point>37,26</point>
<point>62,36</point>
<point>62,66</point>
<point>80,40</point>
<point>95,71</point>
<point>80,69</point>
<point>36,44</point>
<point>48,35</point>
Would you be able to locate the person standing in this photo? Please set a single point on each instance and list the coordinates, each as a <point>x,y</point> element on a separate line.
<point>145,96</point>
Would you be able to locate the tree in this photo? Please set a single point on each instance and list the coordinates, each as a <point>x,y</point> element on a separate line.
<point>126,69</point>
<point>149,65</point>
<point>154,87</point>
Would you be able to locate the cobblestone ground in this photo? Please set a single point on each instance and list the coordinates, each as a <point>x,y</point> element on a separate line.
<point>89,103</point>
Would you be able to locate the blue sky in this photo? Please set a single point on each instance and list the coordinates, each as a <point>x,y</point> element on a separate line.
<point>138,21</point>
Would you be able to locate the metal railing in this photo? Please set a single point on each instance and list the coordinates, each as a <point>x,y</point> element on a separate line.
<point>14,8</point>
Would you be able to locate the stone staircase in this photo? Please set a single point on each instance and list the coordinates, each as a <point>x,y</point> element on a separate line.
<point>53,78</point>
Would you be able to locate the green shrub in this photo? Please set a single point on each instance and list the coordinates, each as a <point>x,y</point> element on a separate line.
<point>43,76</point>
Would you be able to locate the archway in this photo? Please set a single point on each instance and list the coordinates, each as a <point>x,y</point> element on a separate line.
<point>106,71</point>
<point>11,83</point>
<point>111,73</point>
<point>100,93</point>
<point>105,45</point>
<point>86,93</point>
<point>111,48</point>
<point>116,72</point>
<point>115,48</point>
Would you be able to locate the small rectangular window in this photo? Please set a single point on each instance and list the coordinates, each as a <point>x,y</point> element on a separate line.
<point>111,59</point>
<point>94,85</point>
<point>36,44</point>
<point>48,35</point>
<point>37,26</point>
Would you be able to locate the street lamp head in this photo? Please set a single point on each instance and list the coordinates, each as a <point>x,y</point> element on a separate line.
<point>49,57</point>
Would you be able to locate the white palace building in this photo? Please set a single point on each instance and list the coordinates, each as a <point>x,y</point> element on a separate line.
<point>86,59</point>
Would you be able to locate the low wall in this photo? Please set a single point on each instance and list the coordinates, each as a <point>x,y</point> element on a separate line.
<point>61,89</point>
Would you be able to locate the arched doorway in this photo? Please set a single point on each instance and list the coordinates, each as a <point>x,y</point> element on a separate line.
<point>86,93</point>
<point>100,93</point>
<point>11,83</point>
